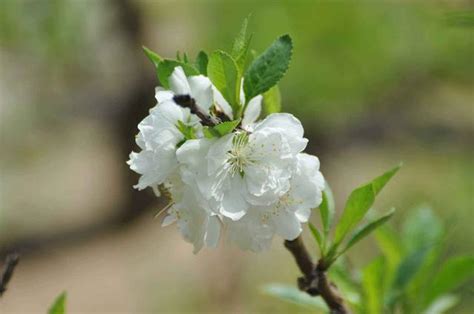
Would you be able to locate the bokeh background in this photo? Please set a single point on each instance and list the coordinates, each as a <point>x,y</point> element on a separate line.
<point>374,82</point>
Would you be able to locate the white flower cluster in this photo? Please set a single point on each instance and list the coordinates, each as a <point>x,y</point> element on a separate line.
<point>250,184</point>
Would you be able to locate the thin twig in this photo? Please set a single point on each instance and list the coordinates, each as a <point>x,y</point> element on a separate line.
<point>10,263</point>
<point>187,101</point>
<point>315,281</point>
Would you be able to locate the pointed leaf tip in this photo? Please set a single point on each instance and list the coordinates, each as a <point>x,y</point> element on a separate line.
<point>268,68</point>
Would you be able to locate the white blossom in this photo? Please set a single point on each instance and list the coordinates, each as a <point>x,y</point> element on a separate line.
<point>254,182</point>
<point>159,134</point>
<point>244,169</point>
<point>255,230</point>
<point>195,223</point>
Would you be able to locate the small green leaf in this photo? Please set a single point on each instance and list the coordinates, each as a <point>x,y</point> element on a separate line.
<point>152,56</point>
<point>226,127</point>
<point>209,132</point>
<point>318,237</point>
<point>452,274</point>
<point>421,228</point>
<point>201,62</point>
<point>442,304</point>
<point>359,202</point>
<point>187,130</point>
<point>223,73</point>
<point>389,243</point>
<point>372,285</point>
<point>406,271</point>
<point>327,209</point>
<point>59,305</point>
<point>293,295</point>
<point>380,182</point>
<point>272,100</point>
<point>367,229</point>
<point>357,205</point>
<point>185,58</point>
<point>240,40</point>
<point>166,68</point>
<point>241,45</point>
<point>268,68</point>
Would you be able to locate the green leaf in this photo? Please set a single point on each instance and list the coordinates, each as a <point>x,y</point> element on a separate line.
<point>222,71</point>
<point>272,100</point>
<point>372,286</point>
<point>381,181</point>
<point>442,304</point>
<point>226,127</point>
<point>327,209</point>
<point>166,68</point>
<point>318,237</point>
<point>268,68</point>
<point>359,202</point>
<point>293,295</point>
<point>367,229</point>
<point>452,274</point>
<point>209,132</point>
<point>241,45</point>
<point>240,40</point>
<point>153,56</point>
<point>201,62</point>
<point>185,58</point>
<point>421,228</point>
<point>357,205</point>
<point>59,305</point>
<point>389,243</point>
<point>406,271</point>
<point>187,130</point>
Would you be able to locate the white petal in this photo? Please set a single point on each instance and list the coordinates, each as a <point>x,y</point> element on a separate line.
<point>163,95</point>
<point>303,214</point>
<point>234,205</point>
<point>285,121</point>
<point>140,140</point>
<point>154,166</point>
<point>178,82</point>
<point>287,225</point>
<point>249,233</point>
<point>288,126</point>
<point>222,103</point>
<point>253,110</point>
<point>217,155</point>
<point>201,91</point>
<point>307,183</point>
<point>266,185</point>
<point>193,169</point>
<point>213,231</point>
<point>193,153</point>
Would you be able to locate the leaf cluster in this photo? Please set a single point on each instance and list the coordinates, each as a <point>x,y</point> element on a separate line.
<point>409,276</point>
<point>233,72</point>
<point>349,229</point>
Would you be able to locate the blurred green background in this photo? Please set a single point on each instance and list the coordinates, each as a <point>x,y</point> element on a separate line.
<point>374,82</point>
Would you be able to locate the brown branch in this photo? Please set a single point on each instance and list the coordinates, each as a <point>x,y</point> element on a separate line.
<point>10,263</point>
<point>187,101</point>
<point>315,282</point>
